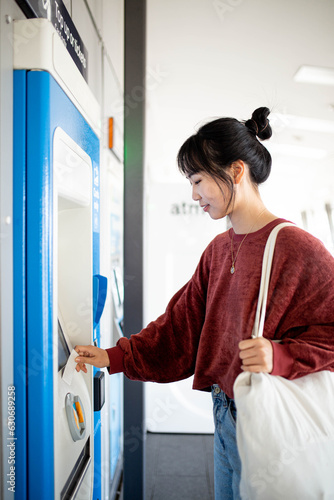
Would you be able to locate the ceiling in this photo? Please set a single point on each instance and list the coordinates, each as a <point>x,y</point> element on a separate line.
<point>210,58</point>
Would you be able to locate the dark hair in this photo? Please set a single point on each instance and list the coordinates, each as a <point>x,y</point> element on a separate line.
<point>221,142</point>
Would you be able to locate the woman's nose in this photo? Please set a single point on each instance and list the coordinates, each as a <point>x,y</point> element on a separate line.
<point>195,196</point>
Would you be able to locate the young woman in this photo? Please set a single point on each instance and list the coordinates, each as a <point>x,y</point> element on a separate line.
<point>206,329</point>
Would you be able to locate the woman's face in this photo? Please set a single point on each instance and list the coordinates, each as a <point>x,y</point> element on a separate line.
<point>213,196</point>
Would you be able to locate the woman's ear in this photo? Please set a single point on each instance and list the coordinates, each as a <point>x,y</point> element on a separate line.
<point>238,171</point>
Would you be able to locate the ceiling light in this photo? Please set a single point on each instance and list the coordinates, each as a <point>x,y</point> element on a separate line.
<point>282,121</point>
<point>315,74</point>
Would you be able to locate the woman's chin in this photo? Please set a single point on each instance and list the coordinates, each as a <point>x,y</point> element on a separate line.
<point>216,216</point>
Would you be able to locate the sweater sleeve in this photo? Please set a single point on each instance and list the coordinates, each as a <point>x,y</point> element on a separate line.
<point>116,356</point>
<point>282,360</point>
<point>303,295</point>
<point>166,350</point>
<point>310,352</point>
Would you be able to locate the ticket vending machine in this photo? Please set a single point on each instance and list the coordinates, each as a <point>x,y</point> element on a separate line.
<point>58,291</point>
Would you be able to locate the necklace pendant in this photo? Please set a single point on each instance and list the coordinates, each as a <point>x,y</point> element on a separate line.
<point>232,269</point>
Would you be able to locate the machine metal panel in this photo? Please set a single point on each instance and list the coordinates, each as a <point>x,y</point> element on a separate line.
<point>47,108</point>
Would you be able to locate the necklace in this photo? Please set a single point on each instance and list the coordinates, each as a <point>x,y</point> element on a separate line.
<point>232,270</point>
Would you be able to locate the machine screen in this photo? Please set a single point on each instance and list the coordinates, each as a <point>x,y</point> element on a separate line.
<point>63,350</point>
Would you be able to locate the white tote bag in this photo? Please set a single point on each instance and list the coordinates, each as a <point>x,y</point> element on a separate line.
<point>285,428</point>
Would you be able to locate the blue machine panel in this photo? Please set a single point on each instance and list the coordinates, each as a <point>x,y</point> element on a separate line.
<point>40,106</point>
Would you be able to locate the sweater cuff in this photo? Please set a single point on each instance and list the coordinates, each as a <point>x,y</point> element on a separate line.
<point>282,360</point>
<point>116,355</point>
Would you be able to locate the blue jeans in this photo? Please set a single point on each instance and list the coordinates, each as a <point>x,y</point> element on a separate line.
<point>227,465</point>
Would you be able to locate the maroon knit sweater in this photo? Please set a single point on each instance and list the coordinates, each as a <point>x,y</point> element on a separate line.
<point>205,320</point>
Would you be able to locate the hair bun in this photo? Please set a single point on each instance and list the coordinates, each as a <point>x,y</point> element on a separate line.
<point>259,124</point>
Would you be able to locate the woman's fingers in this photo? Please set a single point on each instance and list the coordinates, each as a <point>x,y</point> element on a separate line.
<point>256,355</point>
<point>91,355</point>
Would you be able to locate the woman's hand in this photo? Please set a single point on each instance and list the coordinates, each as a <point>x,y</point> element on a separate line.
<point>256,355</point>
<point>91,355</point>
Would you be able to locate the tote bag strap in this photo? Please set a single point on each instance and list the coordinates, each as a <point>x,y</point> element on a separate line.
<point>265,277</point>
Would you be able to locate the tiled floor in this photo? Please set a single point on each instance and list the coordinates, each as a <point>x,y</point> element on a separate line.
<point>179,467</point>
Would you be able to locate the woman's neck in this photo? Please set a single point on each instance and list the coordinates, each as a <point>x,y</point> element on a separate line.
<point>250,218</point>
<point>248,213</point>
